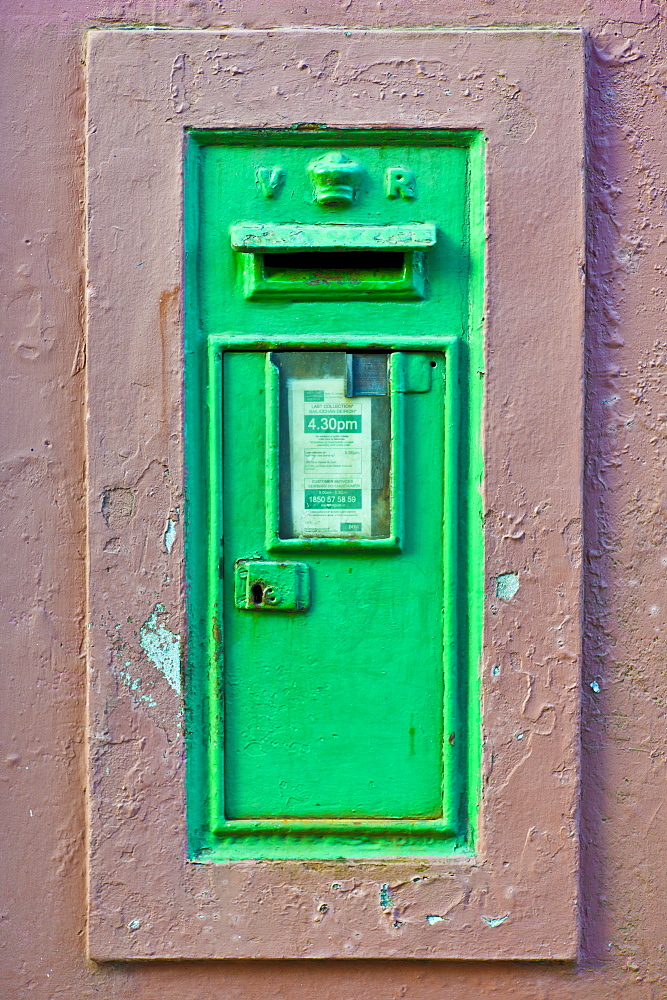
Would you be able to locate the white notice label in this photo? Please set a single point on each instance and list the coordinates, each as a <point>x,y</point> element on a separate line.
<point>330,457</point>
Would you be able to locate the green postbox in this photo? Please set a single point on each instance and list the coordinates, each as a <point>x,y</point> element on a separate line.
<point>333,385</point>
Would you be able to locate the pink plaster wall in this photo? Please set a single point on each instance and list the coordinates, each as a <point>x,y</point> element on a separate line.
<point>43,365</point>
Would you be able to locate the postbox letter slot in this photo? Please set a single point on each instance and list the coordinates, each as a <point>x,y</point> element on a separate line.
<point>346,261</point>
<point>332,261</point>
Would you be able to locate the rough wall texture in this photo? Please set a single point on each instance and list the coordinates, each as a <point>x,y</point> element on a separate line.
<point>625,683</point>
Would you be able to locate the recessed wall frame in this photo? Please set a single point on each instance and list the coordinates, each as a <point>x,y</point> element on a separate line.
<point>515,897</point>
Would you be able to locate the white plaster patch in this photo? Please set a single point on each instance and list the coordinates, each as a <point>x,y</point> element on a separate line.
<point>169,535</point>
<point>162,647</point>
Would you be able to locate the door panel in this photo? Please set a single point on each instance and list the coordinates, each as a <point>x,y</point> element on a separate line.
<point>335,711</point>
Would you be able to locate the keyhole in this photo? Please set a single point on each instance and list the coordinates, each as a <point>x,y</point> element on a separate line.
<point>257,593</point>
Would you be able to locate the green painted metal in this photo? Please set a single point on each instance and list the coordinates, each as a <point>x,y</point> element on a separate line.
<point>263,278</point>
<point>262,585</point>
<point>334,271</point>
<point>350,728</point>
<point>253,236</point>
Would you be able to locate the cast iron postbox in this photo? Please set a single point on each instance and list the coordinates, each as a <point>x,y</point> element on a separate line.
<point>334,544</point>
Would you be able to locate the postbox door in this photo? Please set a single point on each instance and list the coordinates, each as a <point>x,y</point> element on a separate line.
<point>332,645</point>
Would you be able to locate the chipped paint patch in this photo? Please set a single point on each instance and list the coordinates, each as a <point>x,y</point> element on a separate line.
<point>385,897</point>
<point>507,585</point>
<point>169,535</point>
<point>162,647</point>
<point>134,684</point>
<point>434,918</point>
<point>495,921</point>
<point>117,506</point>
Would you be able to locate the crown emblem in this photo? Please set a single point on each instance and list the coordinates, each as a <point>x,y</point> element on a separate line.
<point>336,180</point>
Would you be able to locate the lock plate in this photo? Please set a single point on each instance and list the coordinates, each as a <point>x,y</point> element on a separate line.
<point>260,585</point>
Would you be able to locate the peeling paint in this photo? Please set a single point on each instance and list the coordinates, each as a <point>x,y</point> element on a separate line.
<point>520,120</point>
<point>385,897</point>
<point>434,918</point>
<point>117,506</point>
<point>134,685</point>
<point>507,585</point>
<point>495,921</point>
<point>169,535</point>
<point>162,647</point>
